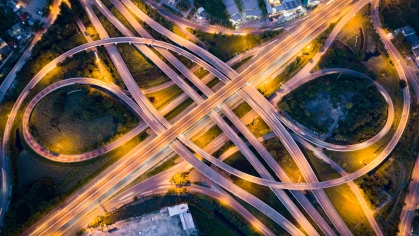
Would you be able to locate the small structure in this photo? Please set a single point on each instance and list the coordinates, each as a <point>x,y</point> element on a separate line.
<point>201,13</point>
<point>236,19</point>
<point>406,31</point>
<point>251,9</point>
<point>185,216</point>
<point>282,7</point>
<point>231,7</point>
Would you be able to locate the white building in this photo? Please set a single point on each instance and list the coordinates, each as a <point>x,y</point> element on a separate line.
<point>185,216</point>
<point>282,7</point>
<point>251,8</point>
<point>233,11</point>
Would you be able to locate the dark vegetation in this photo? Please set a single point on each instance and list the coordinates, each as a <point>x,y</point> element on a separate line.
<point>372,186</point>
<point>7,21</point>
<point>366,112</point>
<point>398,13</point>
<point>38,199</point>
<point>216,10</point>
<point>60,37</point>
<point>226,46</point>
<point>95,104</point>
<point>340,57</point>
<point>37,194</point>
<point>183,5</point>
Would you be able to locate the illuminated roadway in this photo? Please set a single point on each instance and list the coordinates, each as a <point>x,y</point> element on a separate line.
<point>241,80</point>
<point>5,85</point>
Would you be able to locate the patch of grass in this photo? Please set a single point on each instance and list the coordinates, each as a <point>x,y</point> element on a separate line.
<point>242,109</point>
<point>284,159</point>
<point>161,98</point>
<point>226,46</point>
<point>181,107</point>
<point>28,168</point>
<point>258,127</point>
<point>203,139</point>
<point>213,82</point>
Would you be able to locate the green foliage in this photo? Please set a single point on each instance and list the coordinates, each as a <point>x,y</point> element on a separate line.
<point>60,37</point>
<point>183,5</point>
<point>37,199</point>
<point>226,47</point>
<point>402,45</point>
<point>365,114</point>
<point>7,20</point>
<point>216,10</point>
<point>96,104</point>
<point>180,178</point>
<point>340,57</point>
<point>398,13</point>
<point>242,109</point>
<point>372,186</point>
<point>153,13</point>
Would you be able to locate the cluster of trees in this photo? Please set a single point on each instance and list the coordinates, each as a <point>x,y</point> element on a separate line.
<point>153,13</point>
<point>60,37</point>
<point>96,104</point>
<point>216,10</point>
<point>183,5</point>
<point>396,14</point>
<point>340,57</point>
<point>365,112</point>
<point>226,46</point>
<point>372,186</point>
<point>34,201</point>
<point>180,178</point>
<point>7,20</point>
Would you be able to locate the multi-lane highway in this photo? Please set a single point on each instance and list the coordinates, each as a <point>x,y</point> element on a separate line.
<point>172,135</point>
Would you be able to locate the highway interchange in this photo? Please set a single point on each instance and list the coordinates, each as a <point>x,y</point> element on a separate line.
<point>169,137</point>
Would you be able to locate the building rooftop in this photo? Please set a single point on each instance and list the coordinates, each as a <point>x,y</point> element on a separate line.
<point>178,209</point>
<point>254,13</point>
<point>250,4</point>
<point>231,7</point>
<point>411,38</point>
<point>236,17</point>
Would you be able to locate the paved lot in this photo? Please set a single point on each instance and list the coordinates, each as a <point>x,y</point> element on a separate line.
<point>159,224</point>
